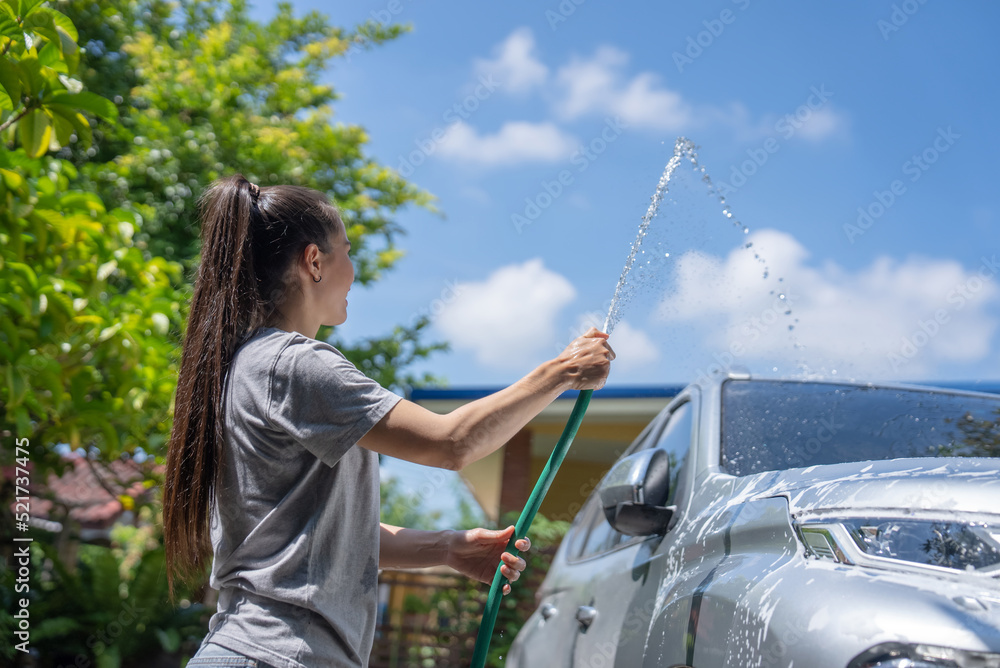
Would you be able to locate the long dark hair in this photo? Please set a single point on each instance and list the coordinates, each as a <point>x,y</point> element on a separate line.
<point>248,246</point>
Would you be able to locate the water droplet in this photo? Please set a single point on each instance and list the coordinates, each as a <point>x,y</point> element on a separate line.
<point>774,368</point>
<point>791,327</point>
<point>789,312</point>
<point>666,255</point>
<point>781,296</point>
<point>746,230</point>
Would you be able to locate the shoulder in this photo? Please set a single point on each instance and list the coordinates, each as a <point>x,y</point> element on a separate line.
<point>299,364</point>
<point>271,347</point>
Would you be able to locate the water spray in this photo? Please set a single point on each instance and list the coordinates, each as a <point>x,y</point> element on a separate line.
<point>683,148</point>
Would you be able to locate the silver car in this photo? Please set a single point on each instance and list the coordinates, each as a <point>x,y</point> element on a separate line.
<point>761,522</point>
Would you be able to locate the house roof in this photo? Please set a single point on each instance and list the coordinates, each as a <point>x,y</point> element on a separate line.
<point>90,490</point>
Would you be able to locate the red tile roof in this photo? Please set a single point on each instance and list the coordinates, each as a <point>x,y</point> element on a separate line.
<point>89,490</point>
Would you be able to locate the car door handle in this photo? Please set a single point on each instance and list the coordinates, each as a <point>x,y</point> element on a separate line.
<point>586,615</point>
<point>548,610</point>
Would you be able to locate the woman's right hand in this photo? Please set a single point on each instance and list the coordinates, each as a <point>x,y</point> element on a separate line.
<point>586,361</point>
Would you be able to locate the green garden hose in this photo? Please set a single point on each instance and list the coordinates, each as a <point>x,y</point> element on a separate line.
<point>524,523</point>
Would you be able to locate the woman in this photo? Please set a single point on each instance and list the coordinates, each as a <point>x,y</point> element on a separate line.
<point>272,466</point>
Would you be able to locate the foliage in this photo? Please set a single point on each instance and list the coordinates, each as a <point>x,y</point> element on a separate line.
<point>91,615</point>
<point>218,93</point>
<point>106,150</point>
<point>89,323</point>
<point>979,438</point>
<point>402,509</point>
<point>442,617</point>
<point>93,295</point>
<point>385,359</point>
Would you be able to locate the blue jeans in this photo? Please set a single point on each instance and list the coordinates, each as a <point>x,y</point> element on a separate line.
<point>211,655</point>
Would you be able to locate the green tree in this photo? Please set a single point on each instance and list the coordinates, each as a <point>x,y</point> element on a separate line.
<point>105,151</point>
<point>88,322</point>
<point>213,92</point>
<point>200,90</point>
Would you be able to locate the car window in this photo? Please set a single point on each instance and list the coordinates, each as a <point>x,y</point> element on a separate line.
<point>579,529</point>
<point>594,534</point>
<point>770,425</point>
<point>676,441</point>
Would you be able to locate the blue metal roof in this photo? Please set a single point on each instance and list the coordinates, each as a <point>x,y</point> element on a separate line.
<point>990,386</point>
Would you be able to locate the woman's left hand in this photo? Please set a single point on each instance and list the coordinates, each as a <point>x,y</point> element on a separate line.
<point>477,552</point>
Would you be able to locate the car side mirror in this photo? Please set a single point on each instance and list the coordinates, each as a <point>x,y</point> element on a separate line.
<point>635,491</point>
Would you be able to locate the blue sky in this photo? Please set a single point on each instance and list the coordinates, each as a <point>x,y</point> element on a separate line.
<point>810,113</point>
<point>886,106</point>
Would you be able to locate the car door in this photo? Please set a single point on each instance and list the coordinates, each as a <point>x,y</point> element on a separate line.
<point>546,639</point>
<point>620,574</point>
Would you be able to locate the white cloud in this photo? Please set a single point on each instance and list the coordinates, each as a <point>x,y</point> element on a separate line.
<point>515,66</point>
<point>822,124</point>
<point>516,142</point>
<point>599,85</point>
<point>891,319</point>
<point>509,318</point>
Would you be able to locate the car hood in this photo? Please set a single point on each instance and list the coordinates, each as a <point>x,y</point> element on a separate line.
<point>955,485</point>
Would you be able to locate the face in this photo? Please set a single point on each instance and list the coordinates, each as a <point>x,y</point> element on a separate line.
<point>338,276</point>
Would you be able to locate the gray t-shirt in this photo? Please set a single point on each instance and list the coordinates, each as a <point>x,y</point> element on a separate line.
<point>295,527</point>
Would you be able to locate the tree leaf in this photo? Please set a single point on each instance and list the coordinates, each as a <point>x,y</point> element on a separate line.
<point>43,23</point>
<point>80,123</point>
<point>28,6</point>
<point>12,180</point>
<point>30,72</point>
<point>64,130</point>
<point>87,101</point>
<point>10,80</point>
<point>36,133</point>
<point>62,22</point>
<point>50,56</point>
<point>82,200</point>
<point>9,27</point>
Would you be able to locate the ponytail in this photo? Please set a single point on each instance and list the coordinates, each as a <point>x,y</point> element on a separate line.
<point>249,239</point>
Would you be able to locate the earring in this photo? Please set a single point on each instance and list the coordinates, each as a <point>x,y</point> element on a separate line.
<point>317,280</point>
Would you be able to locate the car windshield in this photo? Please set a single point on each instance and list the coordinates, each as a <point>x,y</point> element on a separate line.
<point>774,425</point>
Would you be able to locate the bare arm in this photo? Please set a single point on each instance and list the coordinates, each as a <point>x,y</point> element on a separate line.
<point>476,429</point>
<point>474,553</point>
